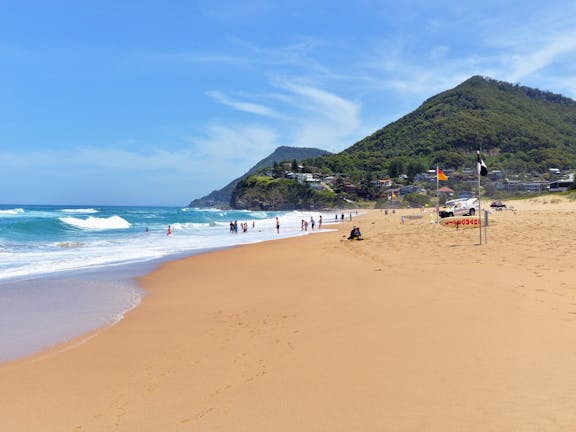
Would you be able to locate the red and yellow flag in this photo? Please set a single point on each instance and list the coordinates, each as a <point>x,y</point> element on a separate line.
<point>441,175</point>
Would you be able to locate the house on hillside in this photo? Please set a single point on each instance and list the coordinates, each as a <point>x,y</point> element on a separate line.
<point>513,186</point>
<point>405,190</point>
<point>382,183</point>
<point>560,185</point>
<point>349,187</point>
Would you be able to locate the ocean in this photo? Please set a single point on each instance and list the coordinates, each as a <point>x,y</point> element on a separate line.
<point>68,270</point>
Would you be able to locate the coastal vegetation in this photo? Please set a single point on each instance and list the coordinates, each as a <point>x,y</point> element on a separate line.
<point>519,130</point>
<point>221,197</point>
<point>266,193</point>
<point>525,135</point>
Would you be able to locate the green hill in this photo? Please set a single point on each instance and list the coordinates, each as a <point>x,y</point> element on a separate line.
<point>519,129</point>
<point>261,192</point>
<point>221,197</point>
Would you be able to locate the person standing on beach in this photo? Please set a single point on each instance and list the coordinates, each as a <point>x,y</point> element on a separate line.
<point>169,232</point>
<point>320,222</point>
<point>277,225</point>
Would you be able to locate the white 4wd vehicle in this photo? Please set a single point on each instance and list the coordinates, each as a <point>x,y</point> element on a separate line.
<point>460,207</point>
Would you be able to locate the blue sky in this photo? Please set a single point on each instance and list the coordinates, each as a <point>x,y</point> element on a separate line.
<point>146,102</point>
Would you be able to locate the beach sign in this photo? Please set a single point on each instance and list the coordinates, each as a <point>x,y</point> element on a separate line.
<point>460,222</point>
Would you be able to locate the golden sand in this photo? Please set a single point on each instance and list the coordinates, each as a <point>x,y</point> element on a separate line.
<point>416,328</point>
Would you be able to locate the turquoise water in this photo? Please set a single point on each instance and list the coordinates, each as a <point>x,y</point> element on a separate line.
<point>41,240</point>
<point>66,270</point>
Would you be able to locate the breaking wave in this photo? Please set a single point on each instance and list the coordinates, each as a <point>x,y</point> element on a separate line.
<point>11,212</point>
<point>94,223</point>
<point>80,211</point>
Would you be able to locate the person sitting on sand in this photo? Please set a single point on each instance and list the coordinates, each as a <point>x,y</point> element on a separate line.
<point>352,232</point>
<point>355,234</point>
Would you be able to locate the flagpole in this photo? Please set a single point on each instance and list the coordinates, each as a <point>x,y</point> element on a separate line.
<point>479,202</point>
<point>437,195</point>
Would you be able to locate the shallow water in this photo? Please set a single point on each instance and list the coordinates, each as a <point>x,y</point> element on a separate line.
<point>67,271</point>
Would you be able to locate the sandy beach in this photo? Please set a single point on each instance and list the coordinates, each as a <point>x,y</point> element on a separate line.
<point>415,328</point>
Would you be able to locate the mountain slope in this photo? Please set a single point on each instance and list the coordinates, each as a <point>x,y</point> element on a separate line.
<point>519,130</point>
<point>222,196</point>
<point>538,128</point>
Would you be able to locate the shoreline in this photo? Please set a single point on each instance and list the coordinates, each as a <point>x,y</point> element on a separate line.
<point>24,297</point>
<point>415,328</point>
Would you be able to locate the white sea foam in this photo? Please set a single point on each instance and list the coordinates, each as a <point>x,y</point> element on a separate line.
<point>92,247</point>
<point>94,223</point>
<point>204,209</point>
<point>11,212</point>
<point>108,241</point>
<point>80,211</point>
<point>258,215</point>
<point>192,225</point>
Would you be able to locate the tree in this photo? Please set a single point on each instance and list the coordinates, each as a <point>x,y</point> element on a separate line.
<point>450,159</point>
<point>276,170</point>
<point>367,189</point>
<point>294,165</point>
<point>417,199</point>
<point>395,168</point>
<point>414,167</point>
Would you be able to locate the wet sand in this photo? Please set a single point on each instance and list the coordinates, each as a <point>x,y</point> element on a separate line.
<point>415,328</point>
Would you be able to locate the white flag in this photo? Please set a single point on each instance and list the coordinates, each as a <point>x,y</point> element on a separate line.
<point>481,166</point>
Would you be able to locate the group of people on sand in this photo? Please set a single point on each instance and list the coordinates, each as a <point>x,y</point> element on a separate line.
<point>342,216</point>
<point>304,225</point>
<point>244,225</point>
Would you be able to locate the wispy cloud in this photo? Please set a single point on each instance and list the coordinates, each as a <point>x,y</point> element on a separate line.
<point>89,159</point>
<point>411,77</point>
<point>527,53</point>
<point>325,120</point>
<point>329,106</point>
<point>184,57</point>
<point>530,47</point>
<point>204,164</point>
<point>297,54</point>
<point>244,106</point>
<point>233,147</point>
<point>317,118</point>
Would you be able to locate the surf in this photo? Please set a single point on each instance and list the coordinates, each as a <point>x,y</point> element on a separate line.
<point>96,223</point>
